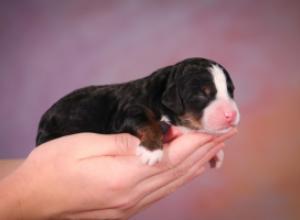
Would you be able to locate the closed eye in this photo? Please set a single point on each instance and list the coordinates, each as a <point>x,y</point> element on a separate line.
<point>205,94</point>
<point>206,90</point>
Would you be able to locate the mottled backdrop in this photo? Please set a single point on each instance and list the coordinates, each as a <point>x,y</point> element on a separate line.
<point>48,48</point>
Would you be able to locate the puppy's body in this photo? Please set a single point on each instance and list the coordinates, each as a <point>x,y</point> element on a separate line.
<point>195,93</point>
<point>106,109</point>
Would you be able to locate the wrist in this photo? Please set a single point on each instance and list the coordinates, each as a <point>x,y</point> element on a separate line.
<point>10,207</point>
<point>18,197</point>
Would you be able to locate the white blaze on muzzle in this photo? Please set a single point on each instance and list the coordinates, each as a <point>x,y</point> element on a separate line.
<point>222,113</point>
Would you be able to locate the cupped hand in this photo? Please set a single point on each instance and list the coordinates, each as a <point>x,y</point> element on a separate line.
<point>93,176</point>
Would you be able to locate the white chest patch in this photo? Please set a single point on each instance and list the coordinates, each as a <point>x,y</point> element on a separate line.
<point>165,119</point>
<point>220,82</point>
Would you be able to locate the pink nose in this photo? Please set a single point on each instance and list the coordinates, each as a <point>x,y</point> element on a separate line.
<point>230,116</point>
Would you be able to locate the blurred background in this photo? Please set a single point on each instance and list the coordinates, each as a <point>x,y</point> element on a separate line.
<point>49,48</point>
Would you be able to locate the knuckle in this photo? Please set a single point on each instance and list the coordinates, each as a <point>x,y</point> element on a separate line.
<point>178,172</point>
<point>123,141</point>
<point>195,171</point>
<point>119,140</point>
<point>185,178</point>
<point>205,150</point>
<point>189,164</point>
<point>171,190</point>
<point>172,163</point>
<point>126,202</point>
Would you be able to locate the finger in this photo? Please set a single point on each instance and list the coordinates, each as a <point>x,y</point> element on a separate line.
<point>176,152</point>
<point>96,214</point>
<point>169,186</point>
<point>199,158</point>
<point>180,148</point>
<point>166,190</point>
<point>172,181</point>
<point>108,145</point>
<point>172,133</point>
<point>217,143</point>
<point>185,145</point>
<point>226,136</point>
<point>202,161</point>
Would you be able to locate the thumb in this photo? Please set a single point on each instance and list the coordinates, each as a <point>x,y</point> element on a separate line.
<point>109,145</point>
<point>122,144</point>
<point>172,134</point>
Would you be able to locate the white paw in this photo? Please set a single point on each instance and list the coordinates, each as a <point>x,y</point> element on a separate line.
<point>219,158</point>
<point>149,157</point>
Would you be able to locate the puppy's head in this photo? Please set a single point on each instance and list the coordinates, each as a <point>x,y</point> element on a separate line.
<point>200,96</point>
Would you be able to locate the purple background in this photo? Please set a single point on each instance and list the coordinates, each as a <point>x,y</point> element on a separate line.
<point>48,48</point>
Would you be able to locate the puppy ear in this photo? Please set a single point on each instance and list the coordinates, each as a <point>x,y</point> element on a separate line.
<point>172,100</point>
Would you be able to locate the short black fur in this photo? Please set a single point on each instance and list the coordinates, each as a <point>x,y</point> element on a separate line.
<point>134,107</point>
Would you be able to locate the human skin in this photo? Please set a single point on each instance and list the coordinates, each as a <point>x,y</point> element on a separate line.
<point>94,176</point>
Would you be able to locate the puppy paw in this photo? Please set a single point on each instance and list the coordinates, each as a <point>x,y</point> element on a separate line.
<point>217,160</point>
<point>149,157</point>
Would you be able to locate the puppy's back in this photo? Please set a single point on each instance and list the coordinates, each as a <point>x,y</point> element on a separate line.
<point>76,112</point>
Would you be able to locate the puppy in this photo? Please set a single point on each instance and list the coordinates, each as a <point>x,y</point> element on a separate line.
<point>195,94</point>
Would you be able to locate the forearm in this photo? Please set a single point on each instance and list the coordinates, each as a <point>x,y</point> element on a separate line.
<point>9,193</point>
<point>9,166</point>
<point>17,201</point>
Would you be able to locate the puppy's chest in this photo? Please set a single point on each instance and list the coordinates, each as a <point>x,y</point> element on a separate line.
<point>164,126</point>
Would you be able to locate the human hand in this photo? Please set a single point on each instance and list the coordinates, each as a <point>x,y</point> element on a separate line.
<point>92,176</point>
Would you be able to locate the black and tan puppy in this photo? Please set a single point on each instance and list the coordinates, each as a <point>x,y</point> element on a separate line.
<point>194,94</point>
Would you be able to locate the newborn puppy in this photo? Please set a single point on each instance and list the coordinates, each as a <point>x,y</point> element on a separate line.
<point>194,94</point>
